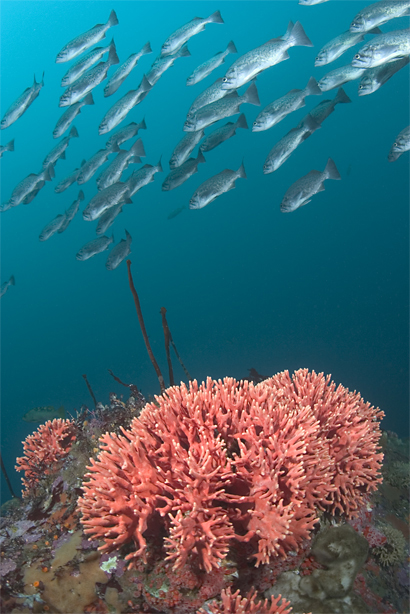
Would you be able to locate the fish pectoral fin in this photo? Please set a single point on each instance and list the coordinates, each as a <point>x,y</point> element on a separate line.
<point>306,202</point>
<point>62,155</point>
<point>321,188</point>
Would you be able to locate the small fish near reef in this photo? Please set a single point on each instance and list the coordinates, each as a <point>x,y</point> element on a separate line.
<point>42,414</point>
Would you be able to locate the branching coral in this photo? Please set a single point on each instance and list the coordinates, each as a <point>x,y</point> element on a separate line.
<point>232,461</point>
<point>233,603</point>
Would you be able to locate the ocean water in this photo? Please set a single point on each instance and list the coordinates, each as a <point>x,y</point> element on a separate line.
<point>325,287</point>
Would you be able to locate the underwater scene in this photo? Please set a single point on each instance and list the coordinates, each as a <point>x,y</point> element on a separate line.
<point>205,306</point>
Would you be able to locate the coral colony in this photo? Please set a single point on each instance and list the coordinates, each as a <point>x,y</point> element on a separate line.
<point>215,498</point>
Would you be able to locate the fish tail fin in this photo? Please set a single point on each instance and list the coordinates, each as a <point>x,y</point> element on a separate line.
<point>73,132</point>
<point>341,96</point>
<point>184,52</point>
<point>42,80</point>
<point>288,31</point>
<point>310,123</point>
<point>312,88</point>
<point>114,147</point>
<point>49,173</point>
<point>241,171</point>
<point>200,158</point>
<point>81,195</point>
<point>146,49</point>
<point>34,82</point>
<point>61,411</point>
<point>145,84</point>
<point>12,280</point>
<point>231,47</point>
<point>10,145</point>
<point>159,166</point>
<point>89,99</point>
<point>138,148</point>
<point>331,171</point>
<point>112,19</point>
<point>112,56</point>
<point>128,237</point>
<point>241,122</point>
<point>142,125</point>
<point>251,95</point>
<point>215,18</point>
<point>298,36</point>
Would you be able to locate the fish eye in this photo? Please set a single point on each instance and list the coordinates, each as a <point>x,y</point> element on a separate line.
<point>357,56</point>
<point>224,79</point>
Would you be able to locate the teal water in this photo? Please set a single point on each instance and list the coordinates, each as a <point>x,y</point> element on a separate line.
<point>325,287</point>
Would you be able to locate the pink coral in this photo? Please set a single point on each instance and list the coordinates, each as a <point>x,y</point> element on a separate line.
<point>235,604</point>
<point>43,449</point>
<point>232,461</point>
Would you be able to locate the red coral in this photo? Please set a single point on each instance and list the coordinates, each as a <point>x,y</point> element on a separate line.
<point>235,604</point>
<point>43,449</point>
<point>230,460</point>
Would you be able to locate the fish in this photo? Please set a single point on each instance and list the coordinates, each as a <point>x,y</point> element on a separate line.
<point>84,63</point>
<point>178,38</point>
<point>384,48</point>
<point>31,196</point>
<point>280,108</point>
<point>71,212</point>
<point>6,285</point>
<point>337,46</point>
<point>93,164</point>
<point>7,147</point>
<point>211,94</point>
<point>225,107</point>
<point>205,69</point>
<point>22,103</point>
<point>58,152</point>
<point>124,70</point>
<point>119,252</point>
<point>94,247</point>
<point>52,227</point>
<point>215,186</point>
<point>123,106</point>
<point>43,414</point>
<point>379,13</point>
<point>321,111</point>
<point>114,194</point>
<point>301,192</point>
<point>287,144</point>
<point>28,185</point>
<point>142,177</point>
<point>84,41</point>
<point>161,64</point>
<point>89,80</point>
<point>69,180</point>
<point>179,175</point>
<point>311,2</point>
<point>107,218</point>
<point>374,78</point>
<point>252,63</point>
<point>126,133</point>
<point>113,172</point>
<point>400,145</point>
<point>340,76</point>
<point>222,134</point>
<point>69,116</point>
<point>176,212</point>
<point>184,148</point>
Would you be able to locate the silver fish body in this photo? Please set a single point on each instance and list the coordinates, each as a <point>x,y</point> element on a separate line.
<point>113,172</point>
<point>142,177</point>
<point>225,107</point>
<point>114,194</point>
<point>400,145</point>
<point>178,38</point>
<point>184,148</point>
<point>311,2</point>
<point>31,196</point>
<point>179,175</point>
<point>88,80</point>
<point>161,64</point>
<point>301,192</point>
<point>22,103</point>
<point>215,186</point>
<point>69,116</point>
<point>337,46</point>
<point>93,164</point>
<point>69,180</point>
<point>28,185</point>
<point>205,69</point>
<point>379,13</point>
<point>211,94</point>
<point>84,63</point>
<point>7,147</point>
<point>124,70</point>
<point>123,106</point>
<point>119,252</point>
<point>374,78</point>
<point>94,247</point>
<point>59,150</point>
<point>52,227</point>
<point>126,133</point>
<point>107,218</point>
<point>339,76</point>
<point>222,134</point>
<point>6,285</point>
<point>84,41</point>
<point>287,144</point>
<point>384,48</point>
<point>71,212</point>
<point>280,108</point>
<point>248,66</point>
